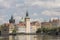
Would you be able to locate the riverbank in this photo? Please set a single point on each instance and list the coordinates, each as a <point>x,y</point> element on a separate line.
<point>23,34</point>
<point>34,34</point>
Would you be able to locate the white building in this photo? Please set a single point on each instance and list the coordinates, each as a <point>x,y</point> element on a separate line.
<point>25,26</point>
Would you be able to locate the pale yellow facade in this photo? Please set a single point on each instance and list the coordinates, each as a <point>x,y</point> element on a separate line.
<point>27,22</point>
<point>11,28</point>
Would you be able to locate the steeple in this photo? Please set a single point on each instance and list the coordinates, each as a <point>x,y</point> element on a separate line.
<point>27,23</point>
<point>12,17</point>
<point>27,15</point>
<point>12,20</point>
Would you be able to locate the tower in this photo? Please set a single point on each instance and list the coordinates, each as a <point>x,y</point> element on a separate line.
<point>12,20</point>
<point>12,24</point>
<point>27,22</point>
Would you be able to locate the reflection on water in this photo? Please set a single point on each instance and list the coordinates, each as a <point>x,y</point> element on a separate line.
<point>31,37</point>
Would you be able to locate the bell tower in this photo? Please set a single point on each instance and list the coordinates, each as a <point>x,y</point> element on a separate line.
<point>27,22</point>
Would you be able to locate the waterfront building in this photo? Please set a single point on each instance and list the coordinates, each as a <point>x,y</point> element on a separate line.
<point>24,25</point>
<point>51,24</point>
<point>55,23</point>
<point>46,25</point>
<point>21,26</point>
<point>5,29</point>
<point>34,26</point>
<point>12,24</point>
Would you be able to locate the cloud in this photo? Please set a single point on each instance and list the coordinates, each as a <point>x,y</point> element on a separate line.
<point>4,4</point>
<point>7,3</point>
<point>55,9</point>
<point>15,14</point>
<point>47,0</point>
<point>54,18</point>
<point>48,4</point>
<point>19,5</point>
<point>35,14</point>
<point>46,7</point>
<point>6,8</point>
<point>37,19</point>
<point>51,13</point>
<point>43,3</point>
<point>2,19</point>
<point>17,19</point>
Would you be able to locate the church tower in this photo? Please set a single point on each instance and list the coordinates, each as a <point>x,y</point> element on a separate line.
<point>27,22</point>
<point>12,23</point>
<point>12,20</point>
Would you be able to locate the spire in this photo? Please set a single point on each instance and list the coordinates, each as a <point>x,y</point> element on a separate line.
<point>11,17</point>
<point>27,14</point>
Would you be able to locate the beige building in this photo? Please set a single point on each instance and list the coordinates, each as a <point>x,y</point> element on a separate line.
<point>4,29</point>
<point>11,28</point>
<point>46,25</point>
<point>51,24</point>
<point>7,28</point>
<point>35,25</point>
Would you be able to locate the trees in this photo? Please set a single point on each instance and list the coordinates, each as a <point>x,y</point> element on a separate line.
<point>38,30</point>
<point>48,31</point>
<point>14,31</point>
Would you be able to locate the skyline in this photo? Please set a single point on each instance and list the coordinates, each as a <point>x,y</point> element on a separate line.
<point>38,9</point>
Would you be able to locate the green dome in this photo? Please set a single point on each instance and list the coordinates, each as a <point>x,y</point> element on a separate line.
<point>22,19</point>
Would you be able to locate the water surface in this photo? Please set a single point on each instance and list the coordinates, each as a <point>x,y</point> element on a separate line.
<point>31,37</point>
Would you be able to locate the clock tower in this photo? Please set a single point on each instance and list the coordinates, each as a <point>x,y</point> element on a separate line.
<point>27,22</point>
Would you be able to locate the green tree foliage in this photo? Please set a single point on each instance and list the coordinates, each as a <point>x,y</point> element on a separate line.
<point>14,31</point>
<point>38,30</point>
<point>47,30</point>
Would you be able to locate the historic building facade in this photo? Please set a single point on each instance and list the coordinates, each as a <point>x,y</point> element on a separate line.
<point>11,24</point>
<point>7,28</point>
<point>24,26</point>
<point>51,24</point>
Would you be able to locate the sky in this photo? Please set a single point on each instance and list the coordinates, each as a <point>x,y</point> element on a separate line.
<point>39,10</point>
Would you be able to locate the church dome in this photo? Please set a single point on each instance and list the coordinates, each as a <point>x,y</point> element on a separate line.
<point>21,20</point>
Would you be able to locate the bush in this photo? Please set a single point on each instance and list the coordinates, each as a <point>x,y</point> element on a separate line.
<point>38,30</point>
<point>14,31</point>
<point>46,30</point>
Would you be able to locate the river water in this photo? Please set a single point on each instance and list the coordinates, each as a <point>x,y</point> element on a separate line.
<point>31,37</point>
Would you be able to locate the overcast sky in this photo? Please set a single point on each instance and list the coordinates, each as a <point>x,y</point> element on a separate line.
<point>40,10</point>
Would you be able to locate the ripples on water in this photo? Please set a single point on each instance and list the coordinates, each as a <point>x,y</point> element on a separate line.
<point>31,37</point>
